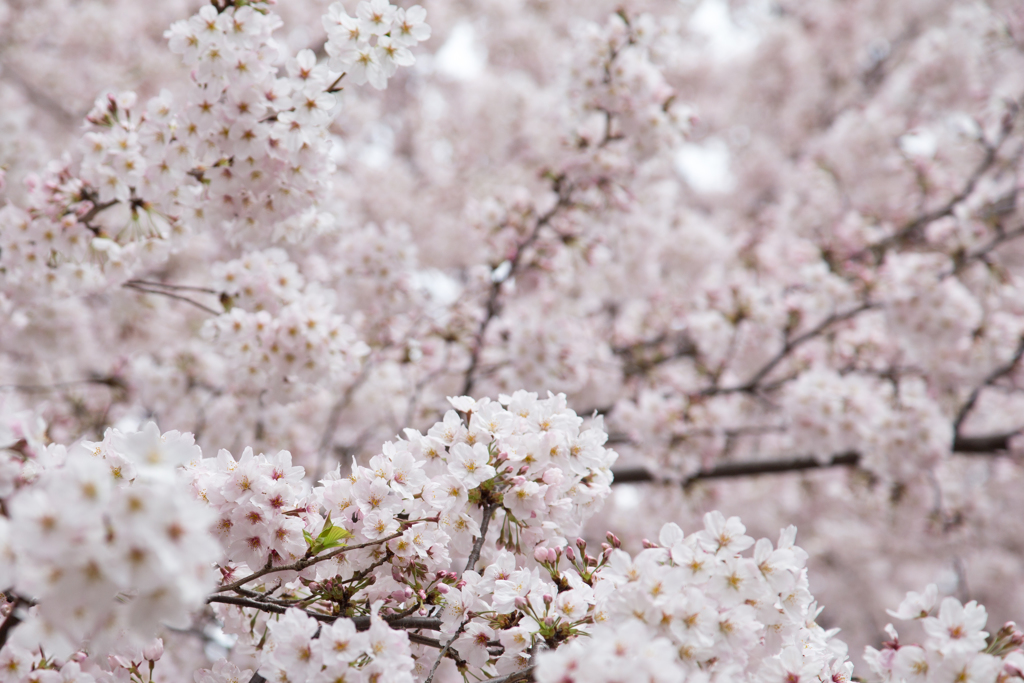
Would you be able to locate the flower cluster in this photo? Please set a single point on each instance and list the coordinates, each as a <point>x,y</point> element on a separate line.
<point>896,427</point>
<point>280,334</point>
<point>302,650</point>
<point>622,92</point>
<point>697,605</point>
<point>955,647</point>
<point>392,29</point>
<point>107,538</point>
<point>247,153</point>
<point>259,502</point>
<point>517,474</point>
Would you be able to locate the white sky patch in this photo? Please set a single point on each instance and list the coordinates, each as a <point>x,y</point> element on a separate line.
<point>627,497</point>
<point>705,167</point>
<point>463,57</point>
<point>920,143</point>
<point>442,289</point>
<point>726,39</point>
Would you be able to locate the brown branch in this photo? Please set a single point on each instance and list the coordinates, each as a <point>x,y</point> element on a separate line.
<point>474,555</point>
<point>444,650</point>
<point>362,623</point>
<point>787,348</point>
<point>112,382</point>
<point>909,229</point>
<point>166,285</point>
<point>172,295</point>
<point>981,254</point>
<point>299,565</point>
<point>514,677</point>
<point>642,356</point>
<point>1001,371</point>
<point>993,444</point>
<point>493,306</point>
<point>10,622</point>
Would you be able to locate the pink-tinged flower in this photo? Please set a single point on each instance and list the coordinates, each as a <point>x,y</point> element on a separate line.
<point>470,464</point>
<point>917,605</point>
<point>958,627</point>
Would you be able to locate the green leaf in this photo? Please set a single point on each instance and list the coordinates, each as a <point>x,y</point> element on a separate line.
<point>330,537</point>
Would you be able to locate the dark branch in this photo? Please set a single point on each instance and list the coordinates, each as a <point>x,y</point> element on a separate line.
<point>993,444</point>
<point>147,290</point>
<point>299,565</point>
<point>474,555</point>
<point>493,307</point>
<point>787,348</point>
<point>1001,371</point>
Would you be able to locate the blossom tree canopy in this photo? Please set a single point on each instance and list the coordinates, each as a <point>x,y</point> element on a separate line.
<point>358,341</point>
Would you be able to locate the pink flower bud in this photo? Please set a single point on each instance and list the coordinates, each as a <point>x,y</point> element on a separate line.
<point>581,544</point>
<point>570,553</point>
<point>540,554</point>
<point>548,599</point>
<point>442,588</point>
<point>521,602</point>
<point>552,555</point>
<point>154,650</point>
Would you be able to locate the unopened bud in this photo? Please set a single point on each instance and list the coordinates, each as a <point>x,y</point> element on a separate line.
<point>570,553</point>
<point>442,588</point>
<point>540,554</point>
<point>549,621</point>
<point>521,602</point>
<point>552,555</point>
<point>581,544</point>
<point>591,560</point>
<point>614,540</point>
<point>460,585</point>
<point>548,599</point>
<point>648,544</point>
<point>396,573</point>
<point>154,650</point>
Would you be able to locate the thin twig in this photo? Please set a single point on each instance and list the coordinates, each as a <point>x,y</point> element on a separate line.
<point>444,650</point>
<point>990,445</point>
<point>787,348</point>
<point>1002,370</point>
<point>166,285</point>
<point>474,555</point>
<point>112,382</point>
<point>493,306</point>
<point>514,677</point>
<point>299,565</point>
<point>908,229</point>
<point>172,295</point>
